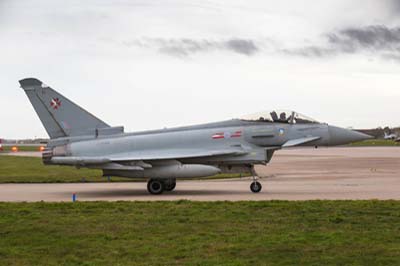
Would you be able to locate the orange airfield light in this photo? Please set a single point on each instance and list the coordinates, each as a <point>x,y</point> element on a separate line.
<point>41,148</point>
<point>14,149</point>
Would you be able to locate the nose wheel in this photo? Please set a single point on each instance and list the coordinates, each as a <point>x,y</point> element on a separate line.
<point>255,187</point>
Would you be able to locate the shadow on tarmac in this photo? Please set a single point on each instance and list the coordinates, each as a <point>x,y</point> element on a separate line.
<point>116,193</point>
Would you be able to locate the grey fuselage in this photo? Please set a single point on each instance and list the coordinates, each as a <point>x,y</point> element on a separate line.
<point>257,141</point>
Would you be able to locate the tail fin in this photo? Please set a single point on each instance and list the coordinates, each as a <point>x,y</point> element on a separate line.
<point>59,116</point>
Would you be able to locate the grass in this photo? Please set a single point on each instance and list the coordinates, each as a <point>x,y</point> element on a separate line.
<point>15,169</point>
<point>201,233</point>
<point>375,142</point>
<point>31,170</point>
<point>22,148</point>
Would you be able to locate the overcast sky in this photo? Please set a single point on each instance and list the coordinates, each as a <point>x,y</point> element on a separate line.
<point>154,64</point>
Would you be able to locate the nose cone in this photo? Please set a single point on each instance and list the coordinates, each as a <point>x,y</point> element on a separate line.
<point>341,136</point>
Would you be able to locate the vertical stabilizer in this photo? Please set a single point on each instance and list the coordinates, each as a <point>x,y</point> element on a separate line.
<point>60,116</point>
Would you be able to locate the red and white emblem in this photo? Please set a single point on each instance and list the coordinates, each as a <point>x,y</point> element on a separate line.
<point>55,103</point>
<point>237,134</point>
<point>218,136</point>
<point>227,135</point>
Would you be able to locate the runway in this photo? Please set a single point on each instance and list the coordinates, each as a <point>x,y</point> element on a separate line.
<point>301,174</point>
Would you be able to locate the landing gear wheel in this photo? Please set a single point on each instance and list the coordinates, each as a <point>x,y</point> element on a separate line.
<point>170,186</point>
<point>155,186</point>
<point>255,187</point>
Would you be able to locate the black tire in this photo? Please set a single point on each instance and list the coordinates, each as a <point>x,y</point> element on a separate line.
<point>255,187</point>
<point>170,187</point>
<point>155,186</point>
<point>170,184</point>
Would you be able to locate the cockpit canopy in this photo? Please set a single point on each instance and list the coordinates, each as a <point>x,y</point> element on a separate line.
<point>279,116</point>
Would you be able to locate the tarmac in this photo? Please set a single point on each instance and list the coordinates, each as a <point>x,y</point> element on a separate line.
<point>300,174</point>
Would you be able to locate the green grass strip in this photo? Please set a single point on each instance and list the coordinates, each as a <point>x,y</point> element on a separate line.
<point>201,233</point>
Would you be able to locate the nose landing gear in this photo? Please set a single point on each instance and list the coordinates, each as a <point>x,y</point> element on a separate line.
<point>255,186</point>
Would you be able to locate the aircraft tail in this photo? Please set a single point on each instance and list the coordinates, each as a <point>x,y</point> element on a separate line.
<point>60,116</point>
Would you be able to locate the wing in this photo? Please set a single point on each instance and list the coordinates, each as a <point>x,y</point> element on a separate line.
<point>135,158</point>
<point>168,154</point>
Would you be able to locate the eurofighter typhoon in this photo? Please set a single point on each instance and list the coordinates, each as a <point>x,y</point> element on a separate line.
<point>78,138</point>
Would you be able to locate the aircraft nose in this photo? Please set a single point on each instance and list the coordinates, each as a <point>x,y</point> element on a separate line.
<point>340,136</point>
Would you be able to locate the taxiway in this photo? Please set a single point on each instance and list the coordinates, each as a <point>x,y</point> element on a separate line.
<point>300,174</point>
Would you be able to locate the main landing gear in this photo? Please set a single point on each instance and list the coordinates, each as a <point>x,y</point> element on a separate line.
<point>255,186</point>
<point>158,186</point>
<point>170,184</point>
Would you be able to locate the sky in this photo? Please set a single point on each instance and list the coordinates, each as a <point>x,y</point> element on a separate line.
<point>155,64</point>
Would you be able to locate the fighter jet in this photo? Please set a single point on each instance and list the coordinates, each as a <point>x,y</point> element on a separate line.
<point>78,138</point>
<point>389,136</point>
<point>392,136</point>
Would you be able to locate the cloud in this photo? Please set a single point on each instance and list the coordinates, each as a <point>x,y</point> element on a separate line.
<point>309,51</point>
<point>376,39</point>
<point>241,46</point>
<point>394,6</point>
<point>185,47</point>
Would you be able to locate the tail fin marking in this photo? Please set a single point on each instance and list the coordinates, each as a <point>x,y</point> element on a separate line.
<point>60,116</point>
